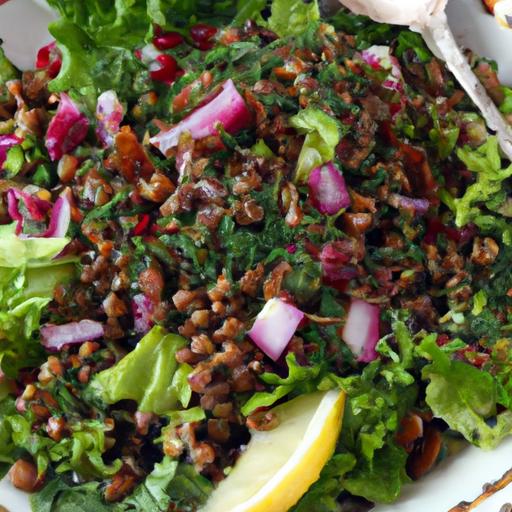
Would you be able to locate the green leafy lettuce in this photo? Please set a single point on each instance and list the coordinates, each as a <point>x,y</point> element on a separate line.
<point>28,276</point>
<point>291,17</point>
<point>483,200</point>
<point>149,375</point>
<point>300,379</point>
<point>322,136</point>
<point>82,451</point>
<point>171,484</point>
<point>465,397</point>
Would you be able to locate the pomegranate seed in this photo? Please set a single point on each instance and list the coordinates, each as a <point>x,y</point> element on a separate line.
<point>167,71</point>
<point>49,57</point>
<point>205,45</point>
<point>43,55</point>
<point>54,68</point>
<point>202,32</point>
<point>167,40</point>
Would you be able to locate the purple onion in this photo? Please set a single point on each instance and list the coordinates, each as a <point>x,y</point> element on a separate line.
<point>142,308</point>
<point>35,207</point>
<point>327,189</point>
<point>6,143</point>
<point>67,129</point>
<point>60,219</point>
<point>275,326</point>
<point>419,206</point>
<point>228,108</point>
<point>335,263</point>
<point>54,337</point>
<point>361,331</point>
<point>109,114</point>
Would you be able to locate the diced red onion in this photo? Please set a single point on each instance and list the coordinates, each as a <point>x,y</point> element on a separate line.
<point>380,58</point>
<point>361,331</point>
<point>274,327</point>
<point>327,189</point>
<point>59,220</point>
<point>142,308</point>
<point>418,206</point>
<point>6,143</point>
<point>109,114</point>
<point>35,206</point>
<point>67,129</point>
<point>335,263</point>
<point>227,108</point>
<point>54,337</point>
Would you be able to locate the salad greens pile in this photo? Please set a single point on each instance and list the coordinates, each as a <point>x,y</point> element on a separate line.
<point>347,170</point>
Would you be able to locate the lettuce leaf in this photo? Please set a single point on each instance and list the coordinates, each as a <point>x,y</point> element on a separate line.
<point>322,136</point>
<point>464,397</point>
<point>7,447</point>
<point>382,480</point>
<point>149,375</point>
<point>171,485</point>
<point>90,67</point>
<point>28,276</point>
<point>291,17</point>
<point>487,191</point>
<point>59,496</point>
<point>300,379</point>
<point>81,451</point>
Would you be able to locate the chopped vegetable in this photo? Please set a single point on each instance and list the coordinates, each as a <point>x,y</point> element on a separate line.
<point>274,327</point>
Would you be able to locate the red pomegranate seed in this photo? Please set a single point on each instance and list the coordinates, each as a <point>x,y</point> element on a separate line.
<point>205,45</point>
<point>202,32</point>
<point>43,55</point>
<point>167,40</point>
<point>54,68</point>
<point>49,57</point>
<point>167,71</point>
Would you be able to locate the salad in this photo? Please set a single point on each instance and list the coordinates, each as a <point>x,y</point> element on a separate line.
<point>218,216</point>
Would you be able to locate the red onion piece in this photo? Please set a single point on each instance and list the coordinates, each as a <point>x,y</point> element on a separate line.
<point>227,108</point>
<point>13,211</point>
<point>6,143</point>
<point>327,189</point>
<point>336,263</point>
<point>54,337</point>
<point>142,308</point>
<point>361,331</point>
<point>35,206</point>
<point>109,113</point>
<point>60,219</point>
<point>274,327</point>
<point>67,129</point>
<point>418,206</point>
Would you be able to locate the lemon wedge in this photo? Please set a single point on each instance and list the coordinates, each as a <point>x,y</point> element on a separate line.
<point>278,466</point>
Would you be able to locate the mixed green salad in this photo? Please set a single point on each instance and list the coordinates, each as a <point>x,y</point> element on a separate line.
<point>210,207</point>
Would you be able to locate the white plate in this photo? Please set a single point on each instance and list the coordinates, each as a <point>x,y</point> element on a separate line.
<point>23,28</point>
